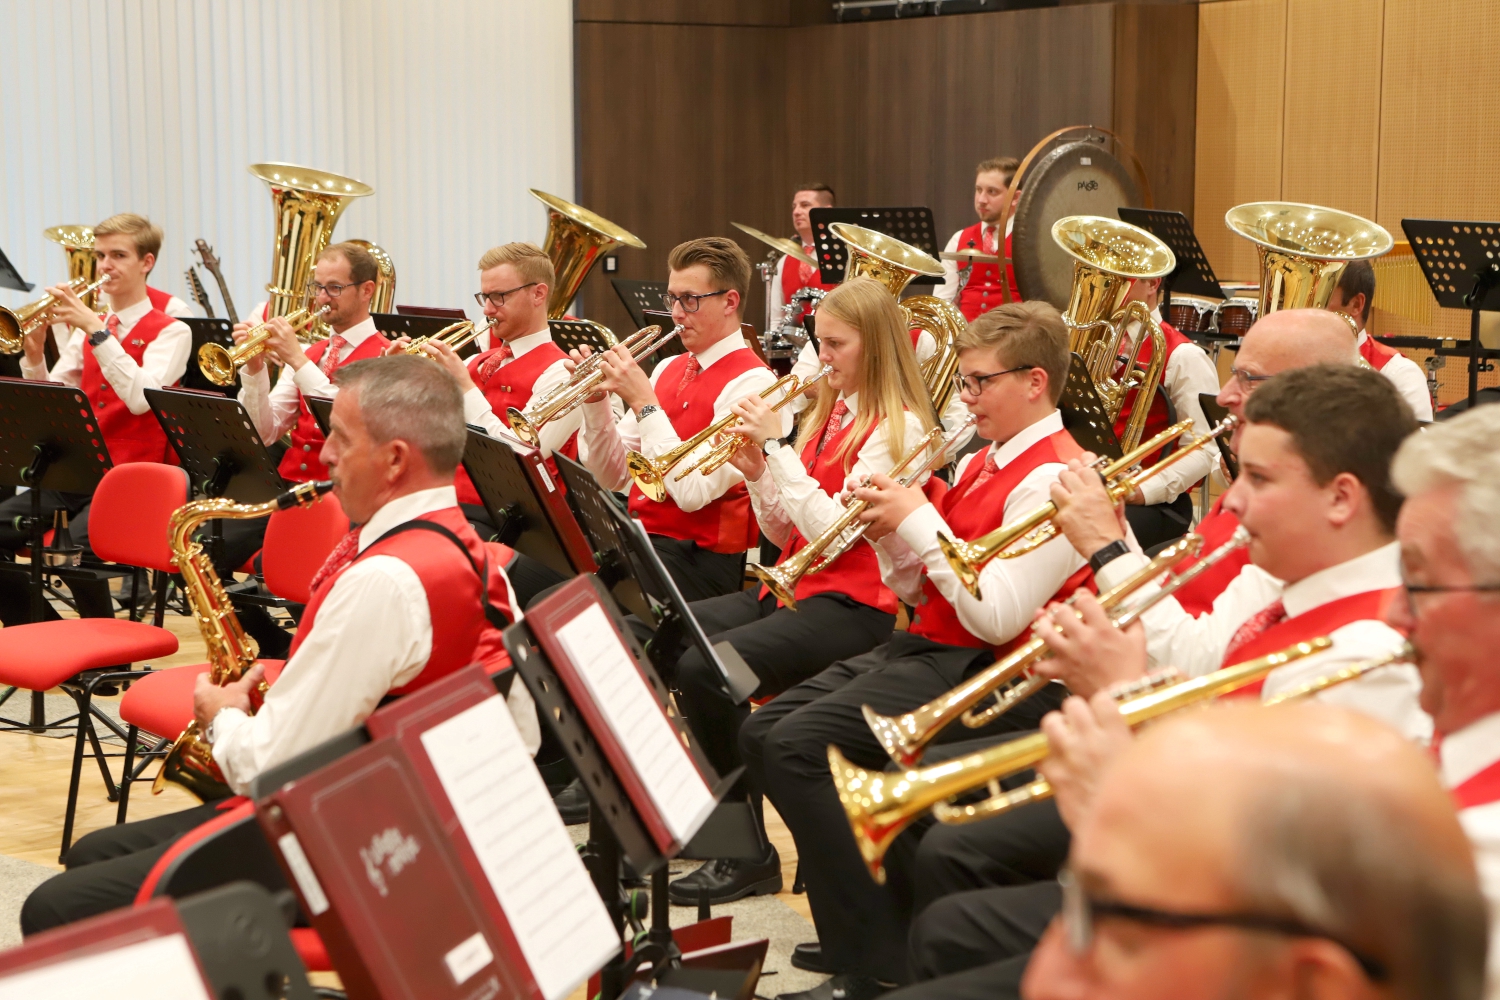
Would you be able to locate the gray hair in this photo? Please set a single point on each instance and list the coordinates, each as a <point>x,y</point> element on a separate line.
<point>411,399</point>
<point>1463,451</point>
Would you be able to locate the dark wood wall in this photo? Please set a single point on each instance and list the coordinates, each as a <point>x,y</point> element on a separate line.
<point>692,114</point>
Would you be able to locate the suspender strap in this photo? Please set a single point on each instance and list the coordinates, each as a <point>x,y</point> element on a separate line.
<point>491,613</point>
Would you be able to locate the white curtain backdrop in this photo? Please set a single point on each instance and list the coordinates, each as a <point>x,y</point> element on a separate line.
<point>450,109</point>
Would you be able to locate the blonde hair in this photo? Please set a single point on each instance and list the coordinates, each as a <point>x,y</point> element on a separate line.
<point>1024,335</point>
<point>142,232</point>
<point>530,261</point>
<point>889,381</point>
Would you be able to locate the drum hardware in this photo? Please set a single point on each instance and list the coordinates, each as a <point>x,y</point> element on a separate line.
<point>576,239</point>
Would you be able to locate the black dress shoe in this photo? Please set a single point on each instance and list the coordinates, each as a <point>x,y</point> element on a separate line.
<point>572,803</point>
<point>808,956</point>
<point>727,879</point>
<point>841,987</point>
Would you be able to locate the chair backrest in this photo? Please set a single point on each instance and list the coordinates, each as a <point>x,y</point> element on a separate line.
<point>130,511</point>
<point>298,541</point>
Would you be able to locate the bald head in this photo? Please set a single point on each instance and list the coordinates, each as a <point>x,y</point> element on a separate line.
<point>1297,338</point>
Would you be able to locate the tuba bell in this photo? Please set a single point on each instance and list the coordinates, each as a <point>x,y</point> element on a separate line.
<point>1303,249</point>
<point>576,239</point>
<point>385,282</point>
<point>78,241</point>
<point>307,204</point>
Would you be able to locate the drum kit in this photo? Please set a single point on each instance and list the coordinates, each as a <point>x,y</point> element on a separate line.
<point>784,336</point>
<point>1212,319</point>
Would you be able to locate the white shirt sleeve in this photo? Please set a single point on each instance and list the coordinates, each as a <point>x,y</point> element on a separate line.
<point>805,367</point>
<point>1188,373</point>
<point>900,566</point>
<point>1411,381</point>
<point>554,434</point>
<point>311,381</point>
<point>162,363</point>
<point>948,290</point>
<point>371,634</point>
<point>273,411</point>
<point>605,441</point>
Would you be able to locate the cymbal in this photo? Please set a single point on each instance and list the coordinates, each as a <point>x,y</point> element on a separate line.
<point>776,243</point>
<point>977,256</point>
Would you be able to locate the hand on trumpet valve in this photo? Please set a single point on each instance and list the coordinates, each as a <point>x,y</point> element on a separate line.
<point>283,344</point>
<point>255,365</point>
<point>889,503</point>
<point>578,356</point>
<point>209,699</point>
<point>1083,737</point>
<point>759,423</point>
<point>1089,653</point>
<point>69,309</point>
<point>626,379</point>
<point>397,346</point>
<point>1085,512</point>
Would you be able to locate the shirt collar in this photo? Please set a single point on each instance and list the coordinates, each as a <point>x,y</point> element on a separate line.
<point>359,332</point>
<point>1463,754</point>
<point>852,401</point>
<point>734,342</point>
<point>1045,427</point>
<point>1363,336</point>
<point>1378,569</point>
<point>530,342</point>
<point>403,509</point>
<point>131,315</point>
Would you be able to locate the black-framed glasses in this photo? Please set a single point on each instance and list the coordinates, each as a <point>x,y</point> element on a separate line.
<point>1245,380</point>
<point>497,299</point>
<point>689,300</point>
<point>974,384</point>
<point>1080,913</point>
<point>333,291</point>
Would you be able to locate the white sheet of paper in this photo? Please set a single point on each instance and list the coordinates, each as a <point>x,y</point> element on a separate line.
<point>633,715</point>
<point>147,970</point>
<point>529,859</point>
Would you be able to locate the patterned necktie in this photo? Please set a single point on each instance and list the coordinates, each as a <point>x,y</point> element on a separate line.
<point>330,359</point>
<point>491,364</point>
<point>690,372</point>
<point>342,555</point>
<point>807,272</point>
<point>834,425</point>
<point>985,474</point>
<point>112,324</point>
<point>1272,614</point>
<point>988,239</point>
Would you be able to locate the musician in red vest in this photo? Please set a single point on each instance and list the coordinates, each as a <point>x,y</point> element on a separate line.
<point>981,290</point>
<point>406,598</point>
<point>1354,296</point>
<point>792,275</point>
<point>704,525</point>
<point>129,222</point>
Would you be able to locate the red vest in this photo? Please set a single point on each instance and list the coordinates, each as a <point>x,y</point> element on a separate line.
<point>795,277</point>
<point>973,512</point>
<point>511,386</point>
<point>1480,789</point>
<point>301,462</point>
<point>982,291</point>
<point>726,524</point>
<point>130,437</point>
<point>856,573</point>
<point>1377,354</point>
<point>1318,621</point>
<point>159,299</point>
<point>1197,598</point>
<point>460,631</point>
<point>1156,418</point>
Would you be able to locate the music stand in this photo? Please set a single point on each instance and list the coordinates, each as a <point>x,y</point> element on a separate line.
<point>591,504</point>
<point>913,226</point>
<point>526,504</point>
<point>207,331</point>
<point>638,297</point>
<point>11,278</point>
<point>571,334</point>
<point>1084,415</point>
<point>217,444</point>
<point>321,407</point>
<point>1216,414</point>
<point>1193,274</point>
<point>1461,262</point>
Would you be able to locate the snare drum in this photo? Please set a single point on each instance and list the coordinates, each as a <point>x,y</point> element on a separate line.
<point>1235,316</point>
<point>1191,314</point>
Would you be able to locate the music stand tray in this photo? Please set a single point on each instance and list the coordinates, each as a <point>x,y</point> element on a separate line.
<point>526,503</point>
<point>217,444</point>
<point>913,226</point>
<point>207,331</point>
<point>1193,275</point>
<point>11,278</point>
<point>1461,262</point>
<point>639,297</point>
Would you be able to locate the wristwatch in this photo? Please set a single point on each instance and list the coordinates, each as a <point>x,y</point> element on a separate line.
<point>646,411</point>
<point>772,446</point>
<point>1108,554</point>
<point>99,336</point>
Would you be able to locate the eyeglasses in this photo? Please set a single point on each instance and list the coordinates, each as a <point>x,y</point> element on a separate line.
<point>497,299</point>
<point>332,291</point>
<point>689,300</point>
<point>974,384</point>
<point>1245,380</point>
<point>1080,912</point>
<point>1413,589</point>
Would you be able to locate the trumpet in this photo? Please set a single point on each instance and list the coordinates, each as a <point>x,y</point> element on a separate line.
<point>1039,527</point>
<point>905,737</point>
<point>455,335</point>
<point>584,382</point>
<point>844,533</point>
<point>724,449</point>
<point>220,363</point>
<point>15,324</point>
<point>880,805</point>
<point>651,475</point>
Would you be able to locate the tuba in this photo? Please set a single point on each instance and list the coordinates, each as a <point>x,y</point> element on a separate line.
<point>1108,255</point>
<point>231,652</point>
<point>385,283</point>
<point>576,239</point>
<point>1303,249</point>
<point>307,204</point>
<point>78,241</point>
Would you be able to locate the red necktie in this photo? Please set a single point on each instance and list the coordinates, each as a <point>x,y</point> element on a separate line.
<point>491,364</point>
<point>690,372</point>
<point>807,272</point>
<point>112,324</point>
<point>342,555</point>
<point>330,360</point>
<point>985,474</point>
<point>834,425</point>
<point>987,239</point>
<point>1272,614</point>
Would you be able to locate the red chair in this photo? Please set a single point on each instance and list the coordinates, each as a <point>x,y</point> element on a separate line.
<point>128,525</point>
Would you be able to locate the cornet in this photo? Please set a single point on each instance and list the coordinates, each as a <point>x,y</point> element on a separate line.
<point>1039,527</point>
<point>220,363</point>
<point>724,449</point>
<point>455,335</point>
<point>15,324</point>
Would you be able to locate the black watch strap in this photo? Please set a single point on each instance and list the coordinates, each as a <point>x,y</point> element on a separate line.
<point>1108,554</point>
<point>99,336</point>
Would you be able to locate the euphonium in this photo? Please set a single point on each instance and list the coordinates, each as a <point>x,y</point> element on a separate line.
<point>576,239</point>
<point>880,805</point>
<point>78,242</point>
<point>730,442</point>
<point>845,532</point>
<point>231,652</point>
<point>307,204</point>
<point>384,299</point>
<point>1303,249</point>
<point>455,335</point>
<point>1038,527</point>
<point>220,363</point>
<point>1010,679</point>
<point>15,324</point>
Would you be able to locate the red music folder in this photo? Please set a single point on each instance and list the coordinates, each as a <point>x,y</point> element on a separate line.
<point>641,742</point>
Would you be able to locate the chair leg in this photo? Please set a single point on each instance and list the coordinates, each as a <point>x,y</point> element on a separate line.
<point>110,790</point>
<point>126,777</point>
<point>162,580</point>
<point>137,581</point>
<point>84,727</point>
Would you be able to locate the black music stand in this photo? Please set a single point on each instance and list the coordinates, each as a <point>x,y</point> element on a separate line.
<point>913,226</point>
<point>217,445</point>
<point>571,334</point>
<point>638,297</point>
<point>423,323</point>
<point>1193,274</point>
<point>321,407</point>
<point>11,278</point>
<point>526,522</point>
<point>1461,262</point>
<point>1084,414</point>
<point>1216,414</point>
<point>207,331</point>
<point>591,504</point>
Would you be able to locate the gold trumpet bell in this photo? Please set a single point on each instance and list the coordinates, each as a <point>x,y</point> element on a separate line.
<point>1303,249</point>
<point>576,239</point>
<point>307,203</point>
<point>865,796</point>
<point>889,261</point>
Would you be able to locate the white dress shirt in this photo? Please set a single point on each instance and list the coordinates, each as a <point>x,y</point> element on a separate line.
<point>948,290</point>
<point>605,442</point>
<point>1196,646</point>
<point>1012,590</point>
<point>1188,373</point>
<point>1462,755</point>
<point>555,433</point>
<point>372,633</point>
<point>788,497</point>
<point>177,309</point>
<point>274,411</point>
<point>1409,379</point>
<point>162,363</point>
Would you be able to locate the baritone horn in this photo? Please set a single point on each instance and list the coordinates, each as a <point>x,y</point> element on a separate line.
<point>880,805</point>
<point>1303,249</point>
<point>576,239</point>
<point>16,323</point>
<point>307,203</point>
<point>220,364</point>
<point>78,243</point>
<point>384,299</point>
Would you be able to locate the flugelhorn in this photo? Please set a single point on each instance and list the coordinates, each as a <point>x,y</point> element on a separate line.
<point>220,364</point>
<point>1010,679</point>
<point>1039,527</point>
<point>723,450</point>
<point>1303,249</point>
<point>15,324</point>
<point>456,335</point>
<point>582,384</point>
<point>307,204</point>
<point>576,239</point>
<point>650,475</point>
<point>844,533</point>
<point>880,805</point>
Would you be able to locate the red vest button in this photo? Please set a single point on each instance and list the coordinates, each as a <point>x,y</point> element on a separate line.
<point>303,466</point>
<point>307,447</point>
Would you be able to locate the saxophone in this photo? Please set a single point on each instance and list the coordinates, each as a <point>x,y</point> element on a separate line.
<point>231,652</point>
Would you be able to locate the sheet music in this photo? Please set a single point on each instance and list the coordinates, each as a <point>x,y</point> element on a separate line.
<point>631,710</point>
<point>147,970</point>
<point>503,806</point>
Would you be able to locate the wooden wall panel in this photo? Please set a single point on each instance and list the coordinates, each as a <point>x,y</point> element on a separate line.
<point>1156,94</point>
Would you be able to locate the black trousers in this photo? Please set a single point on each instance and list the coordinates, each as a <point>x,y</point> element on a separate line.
<point>1162,522</point>
<point>699,573</point>
<point>91,596</point>
<point>106,868</point>
<point>1025,846</point>
<point>862,925</point>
